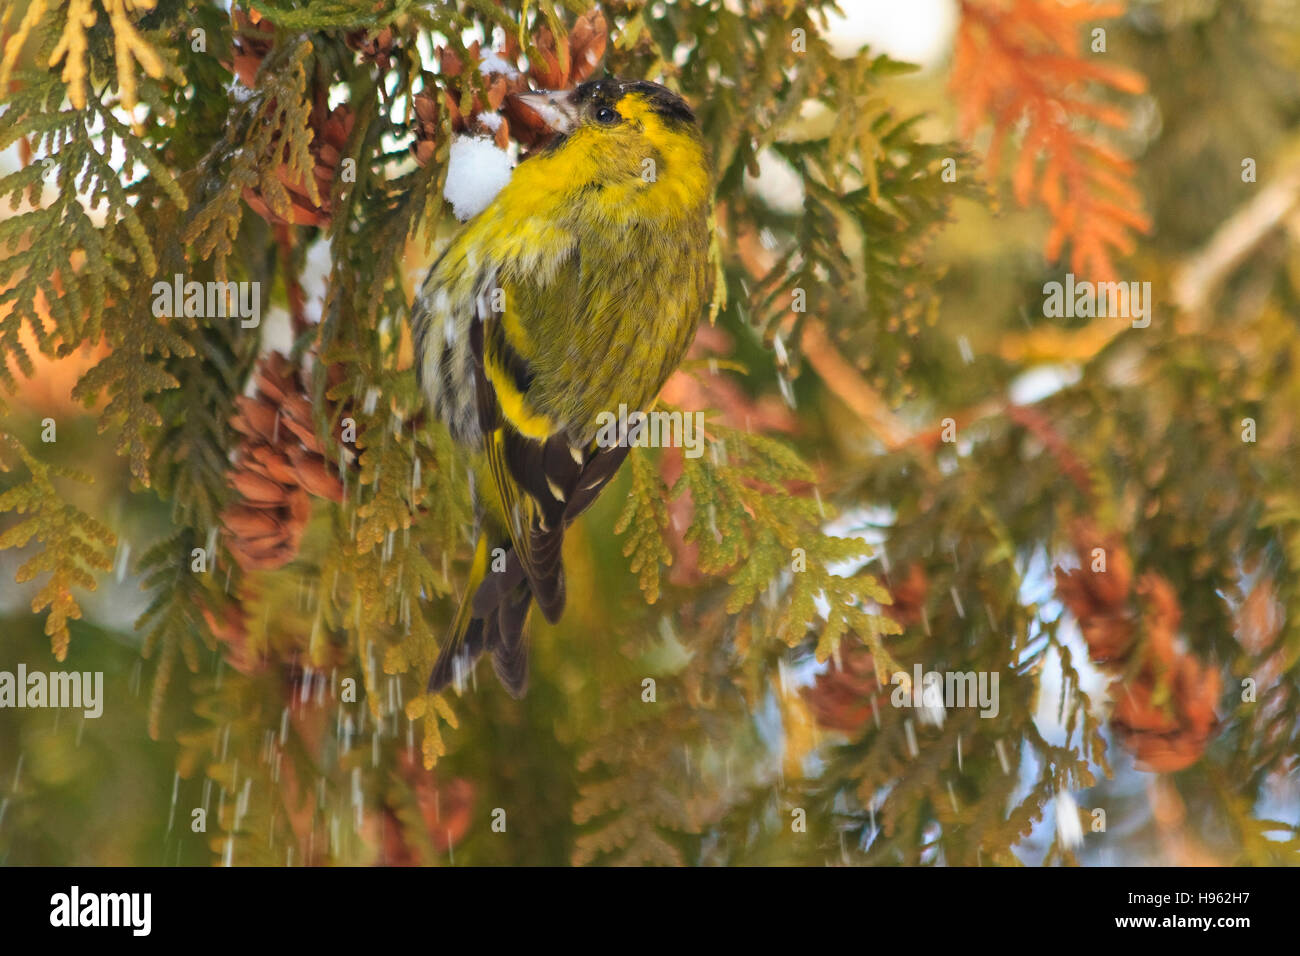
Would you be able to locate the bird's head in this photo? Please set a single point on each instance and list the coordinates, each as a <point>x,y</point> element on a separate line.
<point>628,136</point>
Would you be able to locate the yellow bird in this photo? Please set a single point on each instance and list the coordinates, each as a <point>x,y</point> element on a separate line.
<point>576,291</point>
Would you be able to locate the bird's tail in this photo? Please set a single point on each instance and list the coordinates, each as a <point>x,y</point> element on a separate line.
<point>490,618</point>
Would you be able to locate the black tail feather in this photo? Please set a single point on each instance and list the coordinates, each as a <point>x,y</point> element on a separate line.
<point>499,630</point>
<point>510,652</point>
<point>457,658</point>
<point>500,603</point>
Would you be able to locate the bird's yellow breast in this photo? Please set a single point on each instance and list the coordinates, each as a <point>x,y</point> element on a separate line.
<point>600,247</point>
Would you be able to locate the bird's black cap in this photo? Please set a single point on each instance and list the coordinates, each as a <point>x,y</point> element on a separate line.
<point>608,91</point>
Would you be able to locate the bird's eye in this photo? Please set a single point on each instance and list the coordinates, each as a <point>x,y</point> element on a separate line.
<point>606,115</point>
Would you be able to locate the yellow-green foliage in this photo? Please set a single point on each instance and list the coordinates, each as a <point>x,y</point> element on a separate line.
<point>794,544</point>
<point>74,543</point>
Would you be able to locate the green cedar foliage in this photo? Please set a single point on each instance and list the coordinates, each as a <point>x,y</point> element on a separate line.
<point>793,545</point>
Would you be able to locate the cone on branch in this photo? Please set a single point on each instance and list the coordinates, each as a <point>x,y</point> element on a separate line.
<point>279,466</point>
<point>1097,593</point>
<point>331,128</point>
<point>375,47</point>
<point>445,807</point>
<point>909,595</point>
<point>330,132</point>
<point>229,625</point>
<point>559,66</point>
<point>841,697</point>
<point>1164,705</point>
<point>499,78</point>
<point>427,128</point>
<point>1164,715</point>
<point>254,36</point>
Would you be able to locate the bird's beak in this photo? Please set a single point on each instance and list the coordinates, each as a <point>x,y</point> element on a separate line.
<point>555,108</point>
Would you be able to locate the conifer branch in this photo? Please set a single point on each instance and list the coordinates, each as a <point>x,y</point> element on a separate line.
<point>75,544</point>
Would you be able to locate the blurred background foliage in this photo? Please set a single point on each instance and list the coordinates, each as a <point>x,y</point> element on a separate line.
<point>909,463</point>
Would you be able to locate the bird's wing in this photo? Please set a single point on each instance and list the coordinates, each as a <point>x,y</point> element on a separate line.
<point>543,480</point>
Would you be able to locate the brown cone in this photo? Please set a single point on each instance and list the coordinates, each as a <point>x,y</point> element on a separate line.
<point>1166,718</point>
<point>376,47</point>
<point>841,697</point>
<point>330,136</point>
<point>558,68</point>
<point>1099,600</point>
<point>446,810</point>
<point>229,625</point>
<point>254,37</point>
<point>909,595</point>
<point>1164,715</point>
<point>429,105</point>
<point>1164,710</point>
<point>279,466</point>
